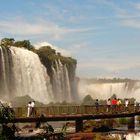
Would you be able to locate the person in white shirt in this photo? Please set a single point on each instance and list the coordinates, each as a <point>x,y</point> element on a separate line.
<point>33,112</point>
<point>126,104</point>
<point>108,105</point>
<point>29,109</point>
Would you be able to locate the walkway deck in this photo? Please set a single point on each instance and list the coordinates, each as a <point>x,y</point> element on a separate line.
<point>72,117</point>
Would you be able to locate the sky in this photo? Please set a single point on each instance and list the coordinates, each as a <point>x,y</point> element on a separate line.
<point>103,35</point>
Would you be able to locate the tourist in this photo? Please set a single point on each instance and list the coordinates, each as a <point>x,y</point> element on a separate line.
<point>119,105</point>
<point>33,111</point>
<point>126,104</point>
<point>97,105</point>
<point>108,105</point>
<point>135,105</point>
<point>29,109</point>
<point>114,104</point>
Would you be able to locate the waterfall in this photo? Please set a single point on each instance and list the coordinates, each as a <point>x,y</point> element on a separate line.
<point>29,76</point>
<point>61,83</point>
<point>67,85</point>
<point>105,90</point>
<point>22,73</point>
<point>6,73</point>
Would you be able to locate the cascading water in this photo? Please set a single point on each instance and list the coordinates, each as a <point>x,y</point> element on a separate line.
<point>6,73</point>
<point>61,83</point>
<point>29,75</point>
<point>21,73</point>
<point>130,89</point>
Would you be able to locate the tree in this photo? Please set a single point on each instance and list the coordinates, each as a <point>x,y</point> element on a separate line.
<point>7,42</point>
<point>24,44</point>
<point>88,100</point>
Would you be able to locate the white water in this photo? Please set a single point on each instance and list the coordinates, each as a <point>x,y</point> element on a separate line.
<point>106,90</point>
<point>5,89</point>
<point>22,73</point>
<point>5,69</point>
<point>61,83</point>
<point>133,136</point>
<point>30,76</point>
<point>129,136</point>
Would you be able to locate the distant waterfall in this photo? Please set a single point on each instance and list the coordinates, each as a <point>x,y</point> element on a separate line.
<point>105,90</point>
<point>61,83</point>
<point>22,72</point>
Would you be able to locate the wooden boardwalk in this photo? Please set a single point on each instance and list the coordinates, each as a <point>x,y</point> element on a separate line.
<point>74,113</point>
<point>72,117</point>
<point>78,118</point>
<point>74,110</point>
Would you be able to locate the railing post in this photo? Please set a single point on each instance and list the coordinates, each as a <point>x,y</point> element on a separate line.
<point>79,124</point>
<point>131,123</point>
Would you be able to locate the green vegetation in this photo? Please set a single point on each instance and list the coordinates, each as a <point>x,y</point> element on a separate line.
<point>7,42</point>
<point>24,44</point>
<point>21,101</point>
<point>6,113</point>
<point>123,121</point>
<point>113,80</point>
<point>88,100</point>
<point>6,132</point>
<point>47,55</point>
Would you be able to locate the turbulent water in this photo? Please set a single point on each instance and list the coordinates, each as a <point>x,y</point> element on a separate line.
<point>105,90</point>
<point>22,73</point>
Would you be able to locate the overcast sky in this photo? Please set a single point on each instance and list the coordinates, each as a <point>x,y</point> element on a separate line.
<point>103,35</point>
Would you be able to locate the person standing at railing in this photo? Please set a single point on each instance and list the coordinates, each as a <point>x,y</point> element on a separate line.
<point>33,111</point>
<point>108,105</point>
<point>114,104</point>
<point>126,104</point>
<point>135,105</point>
<point>29,109</point>
<point>97,105</point>
<point>119,104</point>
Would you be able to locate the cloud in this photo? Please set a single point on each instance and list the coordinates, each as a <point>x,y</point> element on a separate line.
<point>131,23</point>
<point>128,11</point>
<point>50,29</point>
<point>64,52</point>
<point>136,6</point>
<point>20,27</point>
<point>111,66</point>
<point>110,69</point>
<point>80,45</point>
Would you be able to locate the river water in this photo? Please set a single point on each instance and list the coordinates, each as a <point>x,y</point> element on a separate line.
<point>123,134</point>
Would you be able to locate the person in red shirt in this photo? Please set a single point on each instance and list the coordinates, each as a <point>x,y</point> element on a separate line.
<point>114,104</point>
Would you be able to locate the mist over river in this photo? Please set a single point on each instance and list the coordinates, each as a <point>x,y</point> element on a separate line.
<point>104,89</point>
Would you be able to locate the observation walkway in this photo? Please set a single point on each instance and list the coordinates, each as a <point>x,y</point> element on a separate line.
<point>68,113</point>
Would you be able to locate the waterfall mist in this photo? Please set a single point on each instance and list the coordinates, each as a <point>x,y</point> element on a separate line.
<point>105,90</point>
